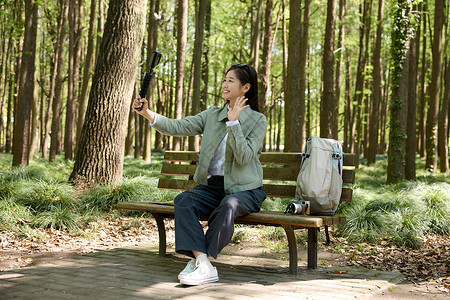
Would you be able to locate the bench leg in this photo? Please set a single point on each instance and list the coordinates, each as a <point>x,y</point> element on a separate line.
<point>292,243</point>
<point>161,233</point>
<point>312,248</point>
<point>327,234</point>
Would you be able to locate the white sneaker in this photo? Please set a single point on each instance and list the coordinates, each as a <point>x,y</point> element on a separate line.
<point>190,267</point>
<point>203,273</point>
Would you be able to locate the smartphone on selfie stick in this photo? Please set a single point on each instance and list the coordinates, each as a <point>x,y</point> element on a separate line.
<point>148,76</point>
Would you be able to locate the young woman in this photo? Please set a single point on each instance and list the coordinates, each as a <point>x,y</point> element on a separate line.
<point>229,173</point>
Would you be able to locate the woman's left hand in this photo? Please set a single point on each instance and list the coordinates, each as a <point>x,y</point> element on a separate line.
<point>239,105</point>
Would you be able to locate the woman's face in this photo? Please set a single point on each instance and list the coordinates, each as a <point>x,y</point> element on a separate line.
<point>232,87</point>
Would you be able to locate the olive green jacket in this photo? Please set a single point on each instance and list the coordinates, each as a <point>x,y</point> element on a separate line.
<point>243,170</point>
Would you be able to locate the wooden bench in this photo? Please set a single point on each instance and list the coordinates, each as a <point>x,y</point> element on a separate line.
<point>280,175</point>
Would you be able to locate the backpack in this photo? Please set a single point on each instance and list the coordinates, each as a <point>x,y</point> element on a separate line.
<point>320,178</point>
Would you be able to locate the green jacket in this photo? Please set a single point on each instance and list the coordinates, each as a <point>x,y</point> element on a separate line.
<point>243,170</point>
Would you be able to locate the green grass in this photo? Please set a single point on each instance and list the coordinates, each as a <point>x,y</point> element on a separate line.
<point>39,196</point>
<point>403,213</point>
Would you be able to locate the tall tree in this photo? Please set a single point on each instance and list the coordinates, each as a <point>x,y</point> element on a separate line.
<point>99,158</point>
<point>410,148</point>
<point>376,89</point>
<point>398,104</point>
<point>327,104</point>
<point>23,110</point>
<point>364,31</point>
<point>302,75</point>
<point>264,70</point>
<point>194,141</point>
<point>292,140</point>
<point>443,122</point>
<point>339,61</point>
<point>182,22</point>
<point>433,104</point>
<point>256,35</point>
<point>87,69</point>
<point>75,29</point>
<point>152,40</point>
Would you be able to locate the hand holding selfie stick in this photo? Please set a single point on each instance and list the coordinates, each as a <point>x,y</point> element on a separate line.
<point>148,76</point>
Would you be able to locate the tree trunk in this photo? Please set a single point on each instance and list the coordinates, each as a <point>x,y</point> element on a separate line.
<point>152,40</point>
<point>264,70</point>
<point>443,123</point>
<point>359,86</point>
<point>205,62</point>
<point>182,22</point>
<point>55,137</point>
<point>256,35</point>
<point>292,140</point>
<point>87,70</point>
<point>99,158</point>
<point>433,104</point>
<point>423,87</point>
<point>410,151</point>
<point>398,107</point>
<point>327,109</point>
<point>339,59</point>
<point>304,49</point>
<point>25,98</point>
<point>194,141</point>
<point>74,74</point>
<point>376,89</point>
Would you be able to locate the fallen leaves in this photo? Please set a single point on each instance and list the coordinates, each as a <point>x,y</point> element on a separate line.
<point>431,263</point>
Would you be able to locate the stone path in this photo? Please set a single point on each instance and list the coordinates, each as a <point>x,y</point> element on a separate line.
<point>139,273</point>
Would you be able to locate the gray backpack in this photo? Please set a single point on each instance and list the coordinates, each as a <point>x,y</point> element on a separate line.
<point>320,178</point>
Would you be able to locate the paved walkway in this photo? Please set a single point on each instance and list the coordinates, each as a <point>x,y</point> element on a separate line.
<point>139,273</point>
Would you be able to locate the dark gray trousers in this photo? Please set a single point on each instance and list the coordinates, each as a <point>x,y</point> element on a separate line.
<point>223,210</point>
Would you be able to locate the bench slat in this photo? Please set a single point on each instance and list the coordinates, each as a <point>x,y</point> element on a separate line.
<point>269,173</point>
<point>260,218</point>
<point>282,158</point>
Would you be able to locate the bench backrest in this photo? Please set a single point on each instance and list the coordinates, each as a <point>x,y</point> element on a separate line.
<point>280,171</point>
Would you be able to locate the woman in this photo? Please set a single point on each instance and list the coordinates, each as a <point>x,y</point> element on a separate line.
<point>229,173</point>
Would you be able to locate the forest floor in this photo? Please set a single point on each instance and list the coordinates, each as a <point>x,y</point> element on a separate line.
<point>426,270</point>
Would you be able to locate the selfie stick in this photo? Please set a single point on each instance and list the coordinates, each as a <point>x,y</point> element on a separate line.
<point>148,76</point>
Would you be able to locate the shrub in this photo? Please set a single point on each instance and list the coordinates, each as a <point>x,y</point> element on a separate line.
<point>57,218</point>
<point>105,198</point>
<point>43,196</point>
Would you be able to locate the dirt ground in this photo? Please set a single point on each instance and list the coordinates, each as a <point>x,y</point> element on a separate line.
<point>55,245</point>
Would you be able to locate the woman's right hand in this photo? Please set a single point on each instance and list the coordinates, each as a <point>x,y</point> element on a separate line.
<point>145,111</point>
<point>141,104</point>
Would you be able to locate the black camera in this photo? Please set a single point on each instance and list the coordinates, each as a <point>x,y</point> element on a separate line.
<point>298,207</point>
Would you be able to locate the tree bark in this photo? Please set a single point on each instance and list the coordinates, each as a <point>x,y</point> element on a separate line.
<point>398,106</point>
<point>443,123</point>
<point>22,121</point>
<point>423,86</point>
<point>327,109</point>
<point>87,70</point>
<point>304,49</point>
<point>152,41</point>
<point>99,158</point>
<point>291,108</point>
<point>433,104</point>
<point>74,74</point>
<point>256,35</point>
<point>182,21</point>
<point>194,141</point>
<point>410,149</point>
<point>359,86</point>
<point>55,136</point>
<point>376,89</point>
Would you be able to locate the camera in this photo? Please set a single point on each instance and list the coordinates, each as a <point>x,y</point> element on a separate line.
<point>298,207</point>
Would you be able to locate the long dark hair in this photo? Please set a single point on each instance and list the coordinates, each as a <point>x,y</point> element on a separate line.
<point>247,74</point>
